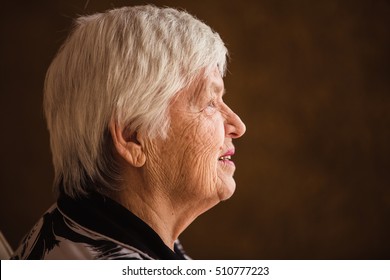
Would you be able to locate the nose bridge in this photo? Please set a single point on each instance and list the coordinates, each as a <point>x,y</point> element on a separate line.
<point>234,127</point>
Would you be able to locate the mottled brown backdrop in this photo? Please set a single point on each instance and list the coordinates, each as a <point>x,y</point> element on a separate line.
<point>311,81</point>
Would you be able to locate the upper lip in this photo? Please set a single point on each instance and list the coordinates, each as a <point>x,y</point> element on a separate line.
<point>229,152</point>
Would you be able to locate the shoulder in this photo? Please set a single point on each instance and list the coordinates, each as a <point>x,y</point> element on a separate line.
<point>55,236</point>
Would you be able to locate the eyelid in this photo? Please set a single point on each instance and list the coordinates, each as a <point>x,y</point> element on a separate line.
<point>211,107</point>
<point>212,102</point>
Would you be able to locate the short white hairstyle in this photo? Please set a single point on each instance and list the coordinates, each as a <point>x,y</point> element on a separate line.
<point>124,65</point>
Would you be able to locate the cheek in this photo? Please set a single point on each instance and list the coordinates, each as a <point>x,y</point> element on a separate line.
<point>193,156</point>
<point>203,139</point>
<point>197,151</point>
<point>208,145</point>
<point>201,151</point>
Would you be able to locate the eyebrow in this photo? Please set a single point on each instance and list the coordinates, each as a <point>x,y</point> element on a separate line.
<point>211,88</point>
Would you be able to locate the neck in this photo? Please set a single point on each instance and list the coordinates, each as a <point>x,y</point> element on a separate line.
<point>156,208</point>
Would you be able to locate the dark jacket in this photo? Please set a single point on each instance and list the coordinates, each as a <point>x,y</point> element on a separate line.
<point>93,228</point>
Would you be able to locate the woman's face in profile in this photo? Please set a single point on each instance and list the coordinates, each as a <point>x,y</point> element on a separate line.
<point>195,162</point>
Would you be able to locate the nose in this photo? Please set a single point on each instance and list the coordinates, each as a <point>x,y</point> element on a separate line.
<point>234,127</point>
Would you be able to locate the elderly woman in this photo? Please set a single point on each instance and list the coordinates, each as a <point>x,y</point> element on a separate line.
<point>140,135</point>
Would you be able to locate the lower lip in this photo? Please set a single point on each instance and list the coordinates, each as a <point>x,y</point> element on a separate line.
<point>226,162</point>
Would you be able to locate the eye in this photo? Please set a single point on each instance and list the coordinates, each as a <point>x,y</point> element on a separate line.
<point>212,103</point>
<point>211,107</point>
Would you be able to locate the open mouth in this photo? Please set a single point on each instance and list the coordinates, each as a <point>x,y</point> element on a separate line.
<point>225,158</point>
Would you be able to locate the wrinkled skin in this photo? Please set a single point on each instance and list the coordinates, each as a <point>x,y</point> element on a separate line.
<point>186,165</point>
<point>169,182</point>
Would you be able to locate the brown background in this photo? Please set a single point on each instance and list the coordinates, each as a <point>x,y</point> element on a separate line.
<point>311,81</point>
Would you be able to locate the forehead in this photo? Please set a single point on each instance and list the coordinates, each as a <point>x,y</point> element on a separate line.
<point>203,87</point>
<point>209,84</point>
<point>215,81</point>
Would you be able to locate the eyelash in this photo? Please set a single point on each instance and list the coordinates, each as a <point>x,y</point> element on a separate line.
<point>212,103</point>
<point>210,108</point>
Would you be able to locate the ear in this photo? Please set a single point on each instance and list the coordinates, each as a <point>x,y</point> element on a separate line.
<point>127,145</point>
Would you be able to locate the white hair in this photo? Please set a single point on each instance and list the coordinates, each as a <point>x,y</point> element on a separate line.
<point>124,65</point>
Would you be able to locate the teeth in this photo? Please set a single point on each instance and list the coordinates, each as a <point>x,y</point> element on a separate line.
<point>225,158</point>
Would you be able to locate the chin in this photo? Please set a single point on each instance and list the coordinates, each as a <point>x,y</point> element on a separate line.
<point>227,190</point>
